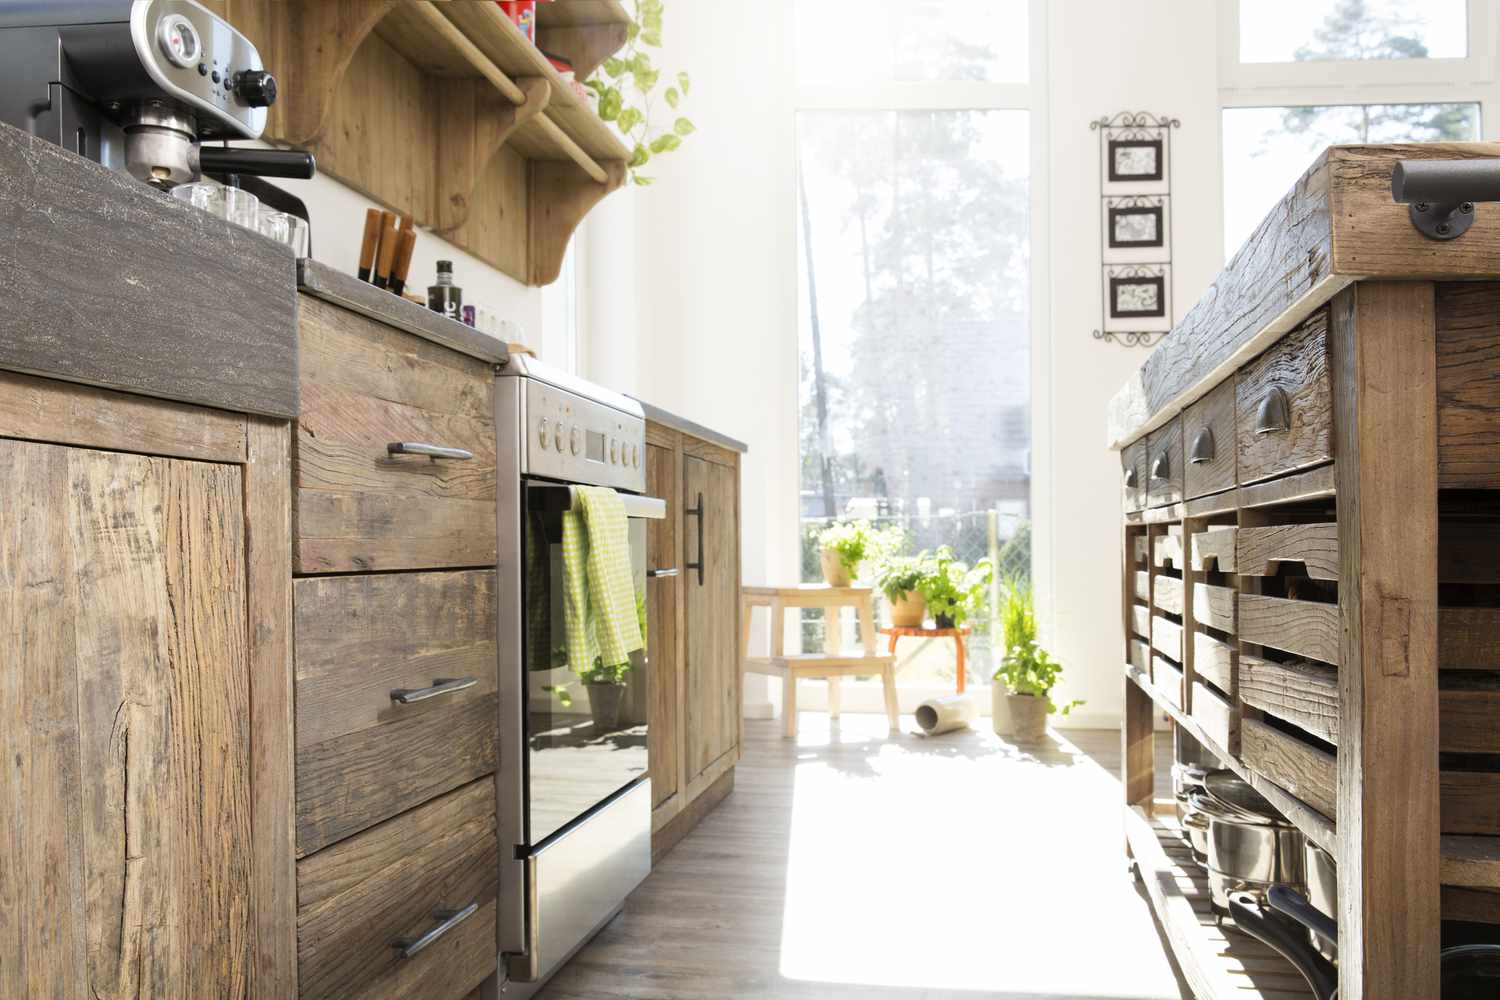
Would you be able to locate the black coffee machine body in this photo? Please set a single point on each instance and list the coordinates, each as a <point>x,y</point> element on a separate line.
<point>138,85</point>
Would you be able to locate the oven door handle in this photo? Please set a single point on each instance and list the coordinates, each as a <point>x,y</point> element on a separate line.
<point>558,498</point>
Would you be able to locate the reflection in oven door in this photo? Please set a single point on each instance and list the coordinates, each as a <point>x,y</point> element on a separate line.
<point>584,742</point>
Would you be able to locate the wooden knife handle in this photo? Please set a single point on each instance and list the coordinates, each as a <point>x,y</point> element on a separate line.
<point>387,249</point>
<point>407,245</point>
<point>368,244</point>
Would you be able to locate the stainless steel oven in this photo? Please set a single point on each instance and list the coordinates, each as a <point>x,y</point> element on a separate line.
<point>574,790</point>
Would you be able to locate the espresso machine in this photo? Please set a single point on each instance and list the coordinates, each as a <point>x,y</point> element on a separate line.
<point>140,86</point>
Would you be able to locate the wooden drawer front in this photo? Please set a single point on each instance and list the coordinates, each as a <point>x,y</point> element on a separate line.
<point>390,883</point>
<point>1304,628</point>
<point>1305,694</point>
<point>362,756</point>
<point>1214,607</point>
<point>1140,656</point>
<point>1168,595</point>
<point>1142,580</point>
<point>1214,548</point>
<point>1469,715</point>
<point>1140,549</point>
<point>1166,637</point>
<point>365,386</point>
<point>1284,406</point>
<point>1259,551</point>
<point>1208,443</point>
<point>1140,620</point>
<point>1302,769</point>
<point>1214,661</point>
<point>1166,677</point>
<point>1167,548</point>
<point>1164,465</point>
<point>1133,473</point>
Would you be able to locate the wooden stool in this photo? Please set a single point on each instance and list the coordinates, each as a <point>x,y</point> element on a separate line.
<point>956,634</point>
<point>832,664</point>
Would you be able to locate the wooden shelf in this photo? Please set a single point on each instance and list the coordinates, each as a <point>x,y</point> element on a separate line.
<point>447,111</point>
<point>585,32</point>
<point>1467,862</point>
<point>1216,963</point>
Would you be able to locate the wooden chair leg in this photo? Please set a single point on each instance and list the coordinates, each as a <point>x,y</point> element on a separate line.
<point>835,696</point>
<point>832,645</point>
<point>892,706</point>
<point>867,626</point>
<point>789,705</point>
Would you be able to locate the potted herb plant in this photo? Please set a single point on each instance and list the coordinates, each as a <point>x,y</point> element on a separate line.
<point>898,578</point>
<point>1027,673</point>
<point>953,590</point>
<point>843,546</point>
<point>606,688</point>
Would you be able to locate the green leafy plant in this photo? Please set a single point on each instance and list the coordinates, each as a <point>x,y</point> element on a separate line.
<point>855,543</point>
<point>626,88</point>
<point>897,576</point>
<point>951,589</point>
<point>1026,668</point>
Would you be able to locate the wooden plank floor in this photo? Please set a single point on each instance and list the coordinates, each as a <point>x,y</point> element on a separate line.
<point>849,865</point>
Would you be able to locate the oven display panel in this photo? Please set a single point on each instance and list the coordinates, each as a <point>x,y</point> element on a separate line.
<point>595,446</point>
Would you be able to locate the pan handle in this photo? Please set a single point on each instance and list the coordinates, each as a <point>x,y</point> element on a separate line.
<point>1286,937</point>
<point>1295,905</point>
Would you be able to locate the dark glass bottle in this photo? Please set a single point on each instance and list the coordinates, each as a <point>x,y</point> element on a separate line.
<point>445,297</point>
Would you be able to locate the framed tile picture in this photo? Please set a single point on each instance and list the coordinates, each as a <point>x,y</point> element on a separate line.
<point>1136,160</point>
<point>1137,299</point>
<point>1136,230</point>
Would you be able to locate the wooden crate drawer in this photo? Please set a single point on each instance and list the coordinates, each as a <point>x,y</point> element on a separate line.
<point>1140,656</point>
<point>1167,548</point>
<point>1302,769</point>
<point>362,755</point>
<point>1261,551</point>
<point>1142,583</point>
<point>397,882</point>
<point>1284,405</point>
<point>1208,442</point>
<point>1215,715</point>
<point>1164,465</point>
<point>1214,547</point>
<point>1214,661</point>
<point>360,508</point>
<point>1133,475</point>
<point>1303,628</point>
<point>1304,694</point>
<point>1166,677</point>
<point>1166,637</point>
<point>1214,606</point>
<point>1140,548</point>
<point>1168,595</point>
<point>1140,620</point>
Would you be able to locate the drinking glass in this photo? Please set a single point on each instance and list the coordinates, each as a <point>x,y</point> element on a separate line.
<point>273,224</point>
<point>203,195</point>
<point>242,208</point>
<point>298,237</point>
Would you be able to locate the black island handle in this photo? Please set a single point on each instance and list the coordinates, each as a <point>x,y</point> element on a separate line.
<point>1443,193</point>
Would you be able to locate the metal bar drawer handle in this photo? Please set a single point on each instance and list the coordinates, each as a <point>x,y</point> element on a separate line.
<point>432,451</point>
<point>659,574</point>
<point>447,920</point>
<point>443,685</point>
<point>698,513</point>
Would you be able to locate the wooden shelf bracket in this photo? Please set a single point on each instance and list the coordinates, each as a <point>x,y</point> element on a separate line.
<point>482,124</point>
<point>560,198</point>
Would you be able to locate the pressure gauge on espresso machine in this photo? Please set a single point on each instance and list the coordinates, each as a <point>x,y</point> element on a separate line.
<point>179,40</point>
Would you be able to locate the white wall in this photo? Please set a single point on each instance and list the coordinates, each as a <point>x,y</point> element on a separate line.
<point>1107,56</point>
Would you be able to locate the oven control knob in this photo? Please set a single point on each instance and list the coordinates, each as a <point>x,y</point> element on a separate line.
<point>573,441</point>
<point>543,434</point>
<point>614,452</point>
<point>558,437</point>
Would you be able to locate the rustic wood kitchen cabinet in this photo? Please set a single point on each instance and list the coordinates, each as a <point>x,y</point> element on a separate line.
<point>696,724</point>
<point>1316,603</point>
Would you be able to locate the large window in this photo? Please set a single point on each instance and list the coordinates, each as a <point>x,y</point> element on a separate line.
<point>913,212</point>
<point>1291,67</point>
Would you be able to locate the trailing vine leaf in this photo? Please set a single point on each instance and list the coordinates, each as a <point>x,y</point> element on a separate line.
<point>634,119</point>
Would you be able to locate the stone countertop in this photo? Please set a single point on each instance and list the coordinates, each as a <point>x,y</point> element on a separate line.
<point>349,292</point>
<point>109,282</point>
<point>668,419</point>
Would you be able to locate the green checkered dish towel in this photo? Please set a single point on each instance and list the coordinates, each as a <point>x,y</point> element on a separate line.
<point>599,600</point>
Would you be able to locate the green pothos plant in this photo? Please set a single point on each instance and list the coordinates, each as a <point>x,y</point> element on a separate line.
<point>626,88</point>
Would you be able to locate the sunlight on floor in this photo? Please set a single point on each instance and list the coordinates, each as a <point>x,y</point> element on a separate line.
<point>961,863</point>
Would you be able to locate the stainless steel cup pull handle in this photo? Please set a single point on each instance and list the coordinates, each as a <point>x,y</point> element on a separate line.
<point>1162,467</point>
<point>432,451</point>
<point>659,574</point>
<point>447,920</point>
<point>1275,412</point>
<point>1130,478</point>
<point>443,685</point>
<point>1203,447</point>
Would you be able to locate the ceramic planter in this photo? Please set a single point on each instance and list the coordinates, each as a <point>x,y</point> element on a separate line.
<point>835,573</point>
<point>1028,717</point>
<point>909,611</point>
<point>604,705</point>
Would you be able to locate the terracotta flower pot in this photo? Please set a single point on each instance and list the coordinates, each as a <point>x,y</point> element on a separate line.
<point>604,705</point>
<point>835,573</point>
<point>909,611</point>
<point>1028,717</point>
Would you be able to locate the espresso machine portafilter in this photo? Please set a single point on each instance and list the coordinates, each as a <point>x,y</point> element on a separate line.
<point>139,85</point>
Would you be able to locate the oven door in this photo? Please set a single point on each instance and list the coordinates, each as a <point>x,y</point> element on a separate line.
<point>584,744</point>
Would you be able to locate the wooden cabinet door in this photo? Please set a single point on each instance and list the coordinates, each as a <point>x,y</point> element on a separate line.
<point>664,682</point>
<point>124,726</point>
<point>710,610</point>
